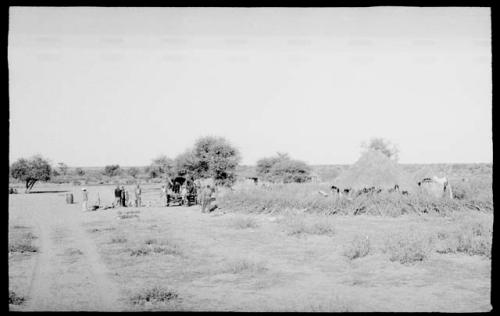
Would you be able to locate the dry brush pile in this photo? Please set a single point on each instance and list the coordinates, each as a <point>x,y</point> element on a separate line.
<point>305,198</point>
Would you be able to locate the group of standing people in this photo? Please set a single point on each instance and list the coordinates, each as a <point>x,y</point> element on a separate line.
<point>205,196</point>
<point>122,196</point>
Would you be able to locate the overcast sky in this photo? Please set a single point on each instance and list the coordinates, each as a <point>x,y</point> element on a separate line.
<point>96,86</point>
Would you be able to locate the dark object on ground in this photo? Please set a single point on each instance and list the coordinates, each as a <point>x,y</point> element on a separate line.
<point>12,191</point>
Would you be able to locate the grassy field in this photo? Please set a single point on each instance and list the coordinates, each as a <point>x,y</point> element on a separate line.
<point>156,258</point>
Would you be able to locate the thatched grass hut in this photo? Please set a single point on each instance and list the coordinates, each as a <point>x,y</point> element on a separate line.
<point>375,169</point>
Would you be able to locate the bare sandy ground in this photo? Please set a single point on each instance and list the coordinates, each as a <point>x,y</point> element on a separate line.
<point>81,266</point>
<point>69,274</point>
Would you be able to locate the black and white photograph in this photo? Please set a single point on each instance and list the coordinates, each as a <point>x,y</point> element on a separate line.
<point>250,159</point>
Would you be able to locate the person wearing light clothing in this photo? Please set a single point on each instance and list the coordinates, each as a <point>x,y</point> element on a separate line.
<point>85,199</point>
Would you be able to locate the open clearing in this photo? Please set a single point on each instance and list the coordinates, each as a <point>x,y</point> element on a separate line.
<point>108,260</point>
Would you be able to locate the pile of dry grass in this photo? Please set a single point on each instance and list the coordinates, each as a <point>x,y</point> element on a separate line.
<point>375,169</point>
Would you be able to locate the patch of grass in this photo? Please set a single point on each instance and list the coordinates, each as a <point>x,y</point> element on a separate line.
<point>359,247</point>
<point>73,252</point>
<point>300,224</point>
<point>154,248</point>
<point>409,246</point>
<point>244,266</point>
<point>126,216</point>
<point>335,305</point>
<point>20,227</point>
<point>118,240</point>
<point>15,299</point>
<point>133,212</point>
<point>242,222</point>
<point>154,295</point>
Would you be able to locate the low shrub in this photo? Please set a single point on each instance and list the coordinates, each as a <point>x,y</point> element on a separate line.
<point>140,252</point>
<point>409,246</point>
<point>359,247</point>
<point>23,246</point>
<point>15,299</point>
<point>154,295</point>
<point>153,248</point>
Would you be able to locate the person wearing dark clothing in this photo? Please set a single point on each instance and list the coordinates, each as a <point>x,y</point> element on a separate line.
<point>118,196</point>
<point>123,196</point>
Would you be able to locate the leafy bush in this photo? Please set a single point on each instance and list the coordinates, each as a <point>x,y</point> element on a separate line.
<point>211,157</point>
<point>359,247</point>
<point>112,170</point>
<point>283,169</point>
<point>408,246</point>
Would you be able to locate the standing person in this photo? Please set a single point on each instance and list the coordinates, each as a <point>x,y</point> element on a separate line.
<point>85,199</point>
<point>122,196</point>
<point>138,193</point>
<point>184,193</point>
<point>205,198</point>
<point>127,197</point>
<point>118,196</point>
<point>211,200</point>
<point>163,195</point>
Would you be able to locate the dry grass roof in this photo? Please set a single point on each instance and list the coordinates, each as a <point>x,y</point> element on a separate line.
<point>374,169</point>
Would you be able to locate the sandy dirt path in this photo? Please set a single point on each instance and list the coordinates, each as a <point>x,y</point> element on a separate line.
<point>69,274</point>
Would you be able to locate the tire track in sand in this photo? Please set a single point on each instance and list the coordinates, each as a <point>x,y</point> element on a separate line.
<point>69,275</point>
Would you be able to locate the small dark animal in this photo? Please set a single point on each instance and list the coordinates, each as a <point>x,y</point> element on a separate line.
<point>334,188</point>
<point>346,191</point>
<point>405,192</point>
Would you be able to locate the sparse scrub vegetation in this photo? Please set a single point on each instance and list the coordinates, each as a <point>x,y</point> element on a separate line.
<point>242,222</point>
<point>409,246</point>
<point>359,247</point>
<point>15,299</point>
<point>472,238</point>
<point>154,295</point>
<point>126,216</point>
<point>244,266</point>
<point>313,225</point>
<point>23,244</point>
<point>154,247</point>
